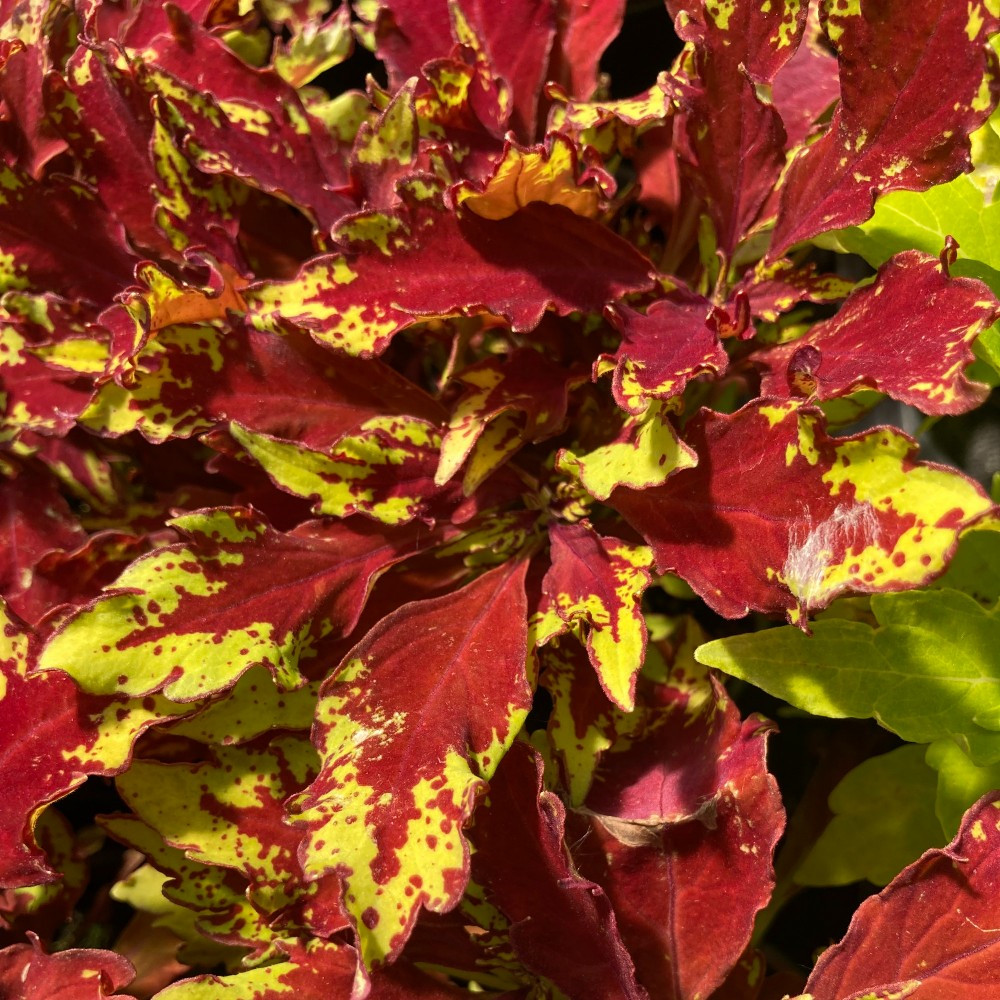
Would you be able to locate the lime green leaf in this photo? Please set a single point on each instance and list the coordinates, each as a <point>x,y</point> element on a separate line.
<point>927,672</point>
<point>960,782</point>
<point>883,819</point>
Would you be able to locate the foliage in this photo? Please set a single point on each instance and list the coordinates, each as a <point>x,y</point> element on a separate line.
<point>401,486</point>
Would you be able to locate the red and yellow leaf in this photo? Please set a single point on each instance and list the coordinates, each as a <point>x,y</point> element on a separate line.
<point>919,358</point>
<point>191,618</point>
<point>804,517</point>
<point>597,582</point>
<point>409,728</point>
<point>900,124</point>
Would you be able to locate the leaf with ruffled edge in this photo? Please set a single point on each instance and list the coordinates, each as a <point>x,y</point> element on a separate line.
<point>191,618</point>
<point>778,516</point>
<point>918,357</point>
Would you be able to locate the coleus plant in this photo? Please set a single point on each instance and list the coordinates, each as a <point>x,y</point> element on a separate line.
<point>392,480</point>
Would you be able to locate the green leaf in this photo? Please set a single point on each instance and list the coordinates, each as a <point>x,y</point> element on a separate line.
<point>975,567</point>
<point>883,819</point>
<point>960,783</point>
<point>926,673</point>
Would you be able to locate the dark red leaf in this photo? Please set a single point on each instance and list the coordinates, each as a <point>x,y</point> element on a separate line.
<point>27,973</point>
<point>562,925</point>
<point>677,820</point>
<point>900,123</point>
<point>676,340</point>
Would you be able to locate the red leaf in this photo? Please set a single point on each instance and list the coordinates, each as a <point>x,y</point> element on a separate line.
<point>907,335</point>
<point>562,925</point>
<point>34,520</point>
<point>779,516</point>
<point>681,818</point>
<point>205,595</point>
<point>29,138</point>
<point>807,84</point>
<point>932,932</point>
<point>543,256</point>
<point>53,737</point>
<point>900,124</point>
<point>677,340</point>
<point>736,142</point>
<point>35,219</point>
<point>27,973</point>
<point>241,121</point>
<point>515,40</point>
<point>584,29</point>
<point>105,117</point>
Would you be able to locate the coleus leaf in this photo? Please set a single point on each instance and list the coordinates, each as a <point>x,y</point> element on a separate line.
<point>26,971</point>
<point>583,31</point>
<point>314,968</point>
<point>543,256</point>
<point>314,48</point>
<point>676,340</point>
<point>898,124</point>
<point>646,452</point>
<point>30,141</point>
<point>735,141</point>
<point>46,908</point>
<point>49,361</point>
<point>918,359</point>
<point>242,122</point>
<point>807,84</point>
<point>960,782</point>
<point>384,470</point>
<point>562,925</point>
<point>528,384</point>
<point>228,811</point>
<point>684,807</point>
<point>215,897</point>
<point>597,581</point>
<point>408,729</point>
<point>34,520</point>
<point>514,44</point>
<point>805,516</point>
<point>34,218</point>
<point>883,819</point>
<point>191,618</point>
<point>915,672</point>
<point>548,173</point>
<point>54,738</point>
<point>106,120</point>
<point>191,378</point>
<point>930,933</point>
